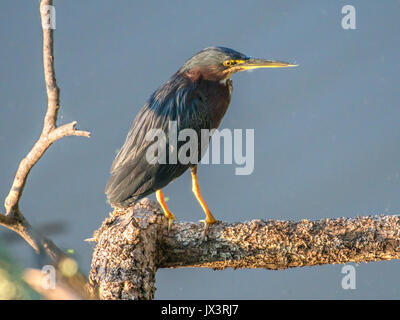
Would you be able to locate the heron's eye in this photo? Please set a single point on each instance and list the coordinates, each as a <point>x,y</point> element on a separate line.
<point>229,63</point>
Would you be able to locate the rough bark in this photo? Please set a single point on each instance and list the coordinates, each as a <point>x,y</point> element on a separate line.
<point>132,244</point>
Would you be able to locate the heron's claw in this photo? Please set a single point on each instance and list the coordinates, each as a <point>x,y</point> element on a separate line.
<point>207,225</point>
<point>170,220</point>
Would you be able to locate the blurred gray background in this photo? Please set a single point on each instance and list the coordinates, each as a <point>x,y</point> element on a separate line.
<point>327,133</point>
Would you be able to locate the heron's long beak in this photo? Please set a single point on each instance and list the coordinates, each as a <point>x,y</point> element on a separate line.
<point>262,63</point>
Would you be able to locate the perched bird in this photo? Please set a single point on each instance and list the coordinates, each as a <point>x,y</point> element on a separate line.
<point>196,97</point>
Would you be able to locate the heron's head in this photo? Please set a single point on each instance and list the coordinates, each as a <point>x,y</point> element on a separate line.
<point>218,63</point>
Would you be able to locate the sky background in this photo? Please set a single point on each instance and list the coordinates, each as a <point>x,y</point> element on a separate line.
<point>327,133</point>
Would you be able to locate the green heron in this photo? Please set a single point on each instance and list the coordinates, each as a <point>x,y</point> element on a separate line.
<point>196,97</point>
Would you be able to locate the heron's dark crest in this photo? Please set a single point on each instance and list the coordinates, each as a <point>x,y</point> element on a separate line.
<point>208,63</point>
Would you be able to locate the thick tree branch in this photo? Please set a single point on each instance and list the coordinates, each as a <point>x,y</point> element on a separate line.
<point>132,245</point>
<point>13,218</point>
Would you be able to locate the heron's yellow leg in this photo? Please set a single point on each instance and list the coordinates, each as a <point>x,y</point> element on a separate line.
<point>196,190</point>
<point>168,214</point>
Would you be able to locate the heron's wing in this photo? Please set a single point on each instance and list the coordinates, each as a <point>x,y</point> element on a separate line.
<point>132,176</point>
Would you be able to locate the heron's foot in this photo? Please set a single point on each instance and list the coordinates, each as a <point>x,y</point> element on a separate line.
<point>170,218</point>
<point>207,223</point>
<point>168,214</point>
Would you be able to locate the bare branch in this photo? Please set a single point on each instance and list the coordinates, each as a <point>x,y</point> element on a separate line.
<point>67,130</point>
<point>132,245</point>
<point>13,219</point>
<point>50,132</point>
<point>20,225</point>
<point>53,92</point>
<point>65,282</point>
<point>60,291</point>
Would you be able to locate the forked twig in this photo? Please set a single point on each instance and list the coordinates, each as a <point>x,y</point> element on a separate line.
<point>13,218</point>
